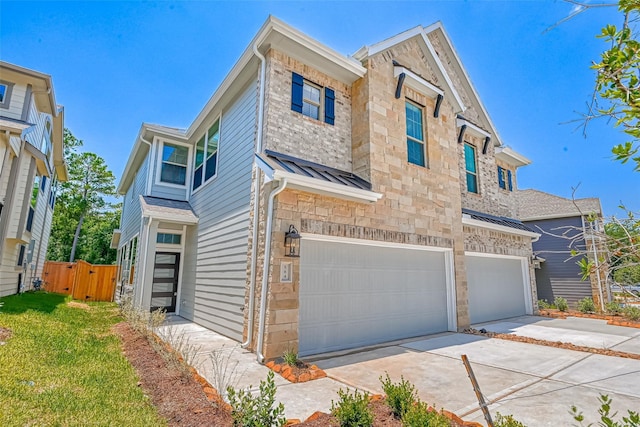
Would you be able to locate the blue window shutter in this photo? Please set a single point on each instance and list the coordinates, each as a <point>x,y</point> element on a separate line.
<point>500,178</point>
<point>329,101</point>
<point>509,179</point>
<point>297,83</point>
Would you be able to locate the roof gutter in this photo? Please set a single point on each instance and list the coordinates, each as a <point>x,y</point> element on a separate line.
<point>265,269</point>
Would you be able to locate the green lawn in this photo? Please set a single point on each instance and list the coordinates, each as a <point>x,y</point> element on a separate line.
<point>64,367</point>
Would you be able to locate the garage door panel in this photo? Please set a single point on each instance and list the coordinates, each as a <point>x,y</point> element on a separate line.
<point>496,288</point>
<point>353,295</point>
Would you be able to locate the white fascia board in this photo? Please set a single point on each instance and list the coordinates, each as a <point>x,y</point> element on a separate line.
<point>473,128</point>
<point>458,104</point>
<point>166,217</point>
<point>466,220</point>
<point>115,239</point>
<point>417,83</point>
<point>418,31</point>
<point>376,48</point>
<point>511,156</point>
<point>316,47</point>
<point>14,127</point>
<point>314,185</point>
<point>438,26</point>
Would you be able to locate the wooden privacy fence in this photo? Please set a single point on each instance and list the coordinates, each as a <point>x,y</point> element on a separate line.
<point>86,282</point>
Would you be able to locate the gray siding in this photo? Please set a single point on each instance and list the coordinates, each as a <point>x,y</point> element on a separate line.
<point>559,275</point>
<point>219,246</point>
<point>132,213</point>
<point>159,190</point>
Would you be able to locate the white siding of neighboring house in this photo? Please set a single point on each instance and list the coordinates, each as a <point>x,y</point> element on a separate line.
<point>214,295</point>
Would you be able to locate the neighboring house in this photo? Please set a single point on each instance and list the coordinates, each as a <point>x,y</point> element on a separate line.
<point>387,165</point>
<point>31,161</point>
<point>565,225</point>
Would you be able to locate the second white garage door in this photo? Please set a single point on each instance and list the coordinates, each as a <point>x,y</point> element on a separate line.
<point>354,294</point>
<point>496,288</point>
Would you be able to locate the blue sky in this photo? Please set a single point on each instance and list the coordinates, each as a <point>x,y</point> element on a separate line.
<point>118,64</point>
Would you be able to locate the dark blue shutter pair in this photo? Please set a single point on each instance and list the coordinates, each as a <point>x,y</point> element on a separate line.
<point>509,179</point>
<point>297,85</point>
<point>500,178</point>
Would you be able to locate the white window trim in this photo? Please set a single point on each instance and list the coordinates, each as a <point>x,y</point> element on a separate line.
<point>476,173</point>
<point>320,104</point>
<point>193,168</point>
<point>159,162</point>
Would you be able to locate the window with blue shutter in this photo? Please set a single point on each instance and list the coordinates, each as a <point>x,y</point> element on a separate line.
<point>501,178</point>
<point>297,85</point>
<point>329,100</point>
<point>312,100</point>
<point>509,179</point>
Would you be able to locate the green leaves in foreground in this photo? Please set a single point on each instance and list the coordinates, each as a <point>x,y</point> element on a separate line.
<point>62,365</point>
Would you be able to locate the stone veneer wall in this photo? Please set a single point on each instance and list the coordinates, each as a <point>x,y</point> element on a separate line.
<point>290,132</point>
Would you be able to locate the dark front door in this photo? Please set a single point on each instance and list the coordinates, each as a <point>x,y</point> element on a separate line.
<point>164,291</point>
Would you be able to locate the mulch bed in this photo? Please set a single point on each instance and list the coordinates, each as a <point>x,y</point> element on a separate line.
<point>177,395</point>
<point>184,398</point>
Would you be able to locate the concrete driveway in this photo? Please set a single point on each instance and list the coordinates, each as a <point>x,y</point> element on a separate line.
<point>537,384</point>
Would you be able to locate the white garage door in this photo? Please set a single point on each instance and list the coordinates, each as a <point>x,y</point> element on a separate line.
<point>496,288</point>
<point>357,294</point>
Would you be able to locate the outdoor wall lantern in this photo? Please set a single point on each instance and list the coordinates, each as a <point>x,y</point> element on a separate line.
<point>292,242</point>
<point>537,262</point>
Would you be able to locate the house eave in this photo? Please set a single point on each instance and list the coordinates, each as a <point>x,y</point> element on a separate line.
<point>313,185</point>
<point>115,239</point>
<point>496,227</point>
<point>512,157</point>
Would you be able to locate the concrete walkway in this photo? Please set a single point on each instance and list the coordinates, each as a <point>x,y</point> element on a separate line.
<point>240,369</point>
<point>537,384</point>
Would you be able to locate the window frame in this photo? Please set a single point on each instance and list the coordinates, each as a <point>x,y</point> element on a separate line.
<point>308,101</point>
<point>160,162</point>
<point>505,179</point>
<point>203,179</point>
<point>326,104</point>
<point>6,100</point>
<point>411,138</point>
<point>472,173</point>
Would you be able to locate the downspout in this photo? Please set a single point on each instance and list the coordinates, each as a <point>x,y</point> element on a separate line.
<point>265,269</point>
<point>256,203</point>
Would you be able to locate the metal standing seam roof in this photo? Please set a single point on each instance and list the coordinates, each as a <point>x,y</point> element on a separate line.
<point>168,207</point>
<point>498,220</point>
<point>315,170</point>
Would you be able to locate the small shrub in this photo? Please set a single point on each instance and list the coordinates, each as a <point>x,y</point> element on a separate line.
<point>606,417</point>
<point>419,415</point>
<point>544,305</point>
<point>248,410</point>
<point>633,313</point>
<point>586,305</point>
<point>352,410</point>
<point>506,421</point>
<point>561,303</point>
<point>400,396</point>
<point>613,307</point>
<point>290,357</point>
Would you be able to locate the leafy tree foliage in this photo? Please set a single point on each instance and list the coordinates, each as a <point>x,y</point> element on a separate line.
<point>623,240</point>
<point>83,219</point>
<point>618,81</point>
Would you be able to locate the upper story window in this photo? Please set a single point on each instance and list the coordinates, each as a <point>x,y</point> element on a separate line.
<point>415,134</point>
<point>471,168</point>
<point>312,100</point>
<point>174,164</point>
<point>206,156</point>
<point>505,179</point>
<point>5,93</point>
